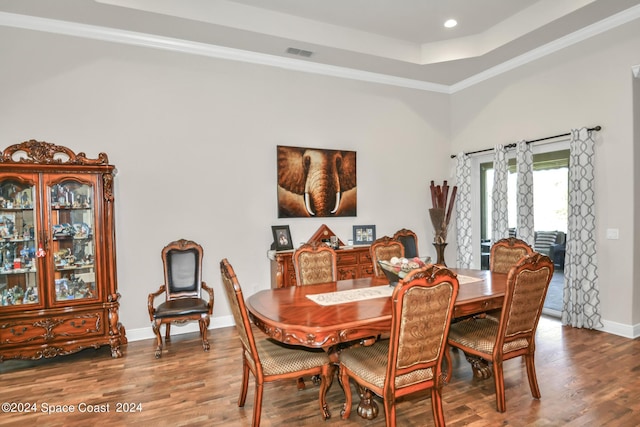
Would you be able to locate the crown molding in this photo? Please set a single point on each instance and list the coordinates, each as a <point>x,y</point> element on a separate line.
<point>154,41</point>
<point>203,49</point>
<point>585,33</point>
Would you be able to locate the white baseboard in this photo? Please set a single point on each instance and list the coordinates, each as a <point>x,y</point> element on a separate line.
<point>147,333</point>
<point>615,328</point>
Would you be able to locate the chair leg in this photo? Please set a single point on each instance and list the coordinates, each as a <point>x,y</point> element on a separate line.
<point>245,383</point>
<point>436,406</point>
<point>498,375</point>
<point>447,358</point>
<point>257,405</point>
<point>156,330</point>
<point>531,375</point>
<point>389,411</point>
<point>204,327</point>
<point>300,383</point>
<point>167,331</point>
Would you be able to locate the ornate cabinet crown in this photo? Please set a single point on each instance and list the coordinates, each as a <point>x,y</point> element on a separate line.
<point>58,285</point>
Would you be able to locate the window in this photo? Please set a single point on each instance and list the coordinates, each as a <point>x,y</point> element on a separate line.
<point>551,188</point>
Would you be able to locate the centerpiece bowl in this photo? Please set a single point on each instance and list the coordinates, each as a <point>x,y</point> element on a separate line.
<point>396,269</point>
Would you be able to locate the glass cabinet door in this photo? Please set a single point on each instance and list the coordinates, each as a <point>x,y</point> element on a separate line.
<point>18,277</point>
<point>71,221</point>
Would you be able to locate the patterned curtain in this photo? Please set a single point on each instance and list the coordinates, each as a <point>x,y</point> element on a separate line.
<point>500,211</point>
<point>464,256</point>
<point>524,200</point>
<point>581,303</point>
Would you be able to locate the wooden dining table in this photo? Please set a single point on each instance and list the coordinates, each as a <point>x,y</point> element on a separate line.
<point>290,315</point>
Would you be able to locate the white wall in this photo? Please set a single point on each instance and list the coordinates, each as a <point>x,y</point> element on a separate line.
<point>586,85</point>
<point>194,141</point>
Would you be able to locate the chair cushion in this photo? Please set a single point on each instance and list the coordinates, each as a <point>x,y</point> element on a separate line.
<point>480,334</point>
<point>278,358</point>
<point>181,307</point>
<point>370,364</point>
<point>544,240</point>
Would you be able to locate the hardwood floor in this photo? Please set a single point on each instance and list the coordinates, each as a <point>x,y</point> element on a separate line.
<point>587,378</point>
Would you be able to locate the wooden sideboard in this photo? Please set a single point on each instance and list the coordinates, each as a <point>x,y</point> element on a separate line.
<point>353,263</point>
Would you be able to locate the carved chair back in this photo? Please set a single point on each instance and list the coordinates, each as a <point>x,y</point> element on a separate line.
<point>409,240</point>
<point>315,263</point>
<point>182,262</point>
<point>506,253</point>
<point>384,248</point>
<point>527,285</point>
<point>240,314</point>
<point>429,292</point>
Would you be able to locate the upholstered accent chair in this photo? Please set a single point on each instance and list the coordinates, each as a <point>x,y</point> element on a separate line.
<point>409,240</point>
<point>506,253</point>
<point>411,359</point>
<point>513,333</point>
<point>183,285</point>
<point>384,248</point>
<point>315,263</point>
<point>265,359</point>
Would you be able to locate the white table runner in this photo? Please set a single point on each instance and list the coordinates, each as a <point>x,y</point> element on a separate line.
<point>351,295</point>
<point>468,279</point>
<point>361,294</point>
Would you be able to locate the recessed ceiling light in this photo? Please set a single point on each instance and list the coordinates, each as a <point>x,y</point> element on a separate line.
<point>450,23</point>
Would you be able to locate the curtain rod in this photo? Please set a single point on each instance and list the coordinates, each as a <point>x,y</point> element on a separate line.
<point>596,128</point>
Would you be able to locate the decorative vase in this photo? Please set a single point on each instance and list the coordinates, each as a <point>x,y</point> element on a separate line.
<point>440,247</point>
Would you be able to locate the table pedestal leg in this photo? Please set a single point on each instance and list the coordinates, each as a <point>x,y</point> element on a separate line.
<point>479,366</point>
<point>367,408</point>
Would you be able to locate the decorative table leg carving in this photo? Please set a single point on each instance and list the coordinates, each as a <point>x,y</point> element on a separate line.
<point>479,366</point>
<point>328,373</point>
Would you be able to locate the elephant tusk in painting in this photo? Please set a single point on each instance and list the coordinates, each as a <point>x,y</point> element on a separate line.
<point>316,182</point>
<point>307,203</point>
<point>337,203</point>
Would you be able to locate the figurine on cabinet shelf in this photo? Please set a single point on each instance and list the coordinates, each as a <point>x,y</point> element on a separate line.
<point>31,295</point>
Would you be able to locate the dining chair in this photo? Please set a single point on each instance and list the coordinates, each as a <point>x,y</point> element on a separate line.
<point>384,248</point>
<point>183,285</point>
<point>315,263</point>
<point>513,333</point>
<point>506,253</point>
<point>411,359</point>
<point>409,240</point>
<point>267,360</point>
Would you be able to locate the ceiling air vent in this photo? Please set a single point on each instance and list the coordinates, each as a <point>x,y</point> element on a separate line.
<point>299,52</point>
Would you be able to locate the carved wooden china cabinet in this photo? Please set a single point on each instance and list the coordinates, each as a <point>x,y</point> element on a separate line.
<point>58,289</point>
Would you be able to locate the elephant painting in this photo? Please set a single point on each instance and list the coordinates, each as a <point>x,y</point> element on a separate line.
<point>316,182</point>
